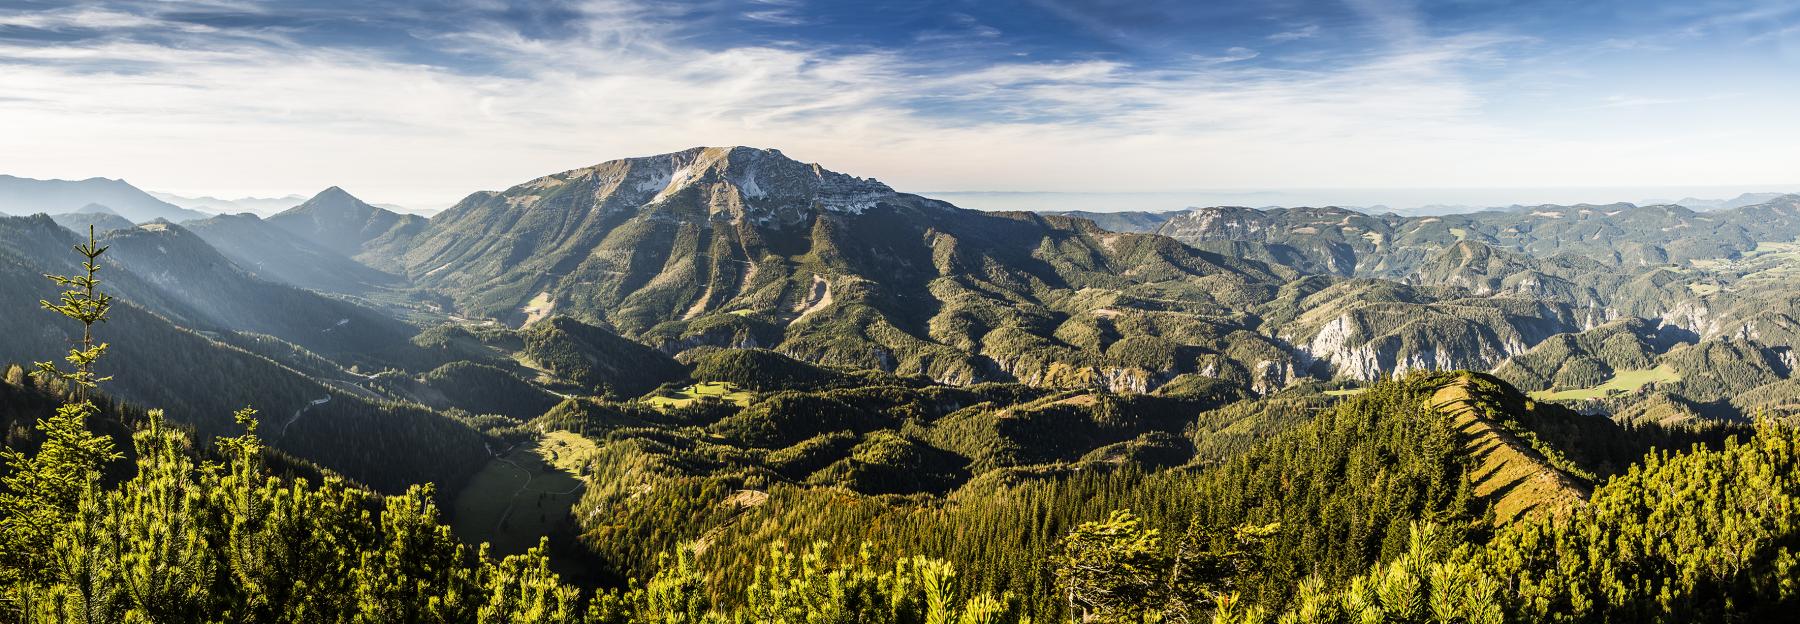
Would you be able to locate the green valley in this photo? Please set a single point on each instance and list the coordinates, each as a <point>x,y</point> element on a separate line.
<point>721,385</point>
<point>1622,382</point>
<point>715,390</point>
<point>524,493</point>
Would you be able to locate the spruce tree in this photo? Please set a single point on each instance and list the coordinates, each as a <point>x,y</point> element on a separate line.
<point>39,492</point>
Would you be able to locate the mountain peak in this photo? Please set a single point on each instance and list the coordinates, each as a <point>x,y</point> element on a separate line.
<point>757,181</point>
<point>339,221</point>
<point>332,204</point>
<point>336,196</point>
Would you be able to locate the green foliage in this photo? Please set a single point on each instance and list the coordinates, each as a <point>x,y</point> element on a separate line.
<point>39,492</point>
<point>763,370</point>
<point>1113,570</point>
<point>885,462</point>
<point>595,359</point>
<point>189,542</point>
<point>809,588</point>
<point>484,389</point>
<point>88,306</point>
<point>1345,482</point>
<point>1706,535</point>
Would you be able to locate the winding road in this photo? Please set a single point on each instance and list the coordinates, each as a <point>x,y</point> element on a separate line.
<point>301,412</point>
<point>512,501</point>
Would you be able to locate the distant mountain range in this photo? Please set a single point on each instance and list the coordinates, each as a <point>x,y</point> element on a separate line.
<point>24,196</point>
<point>260,206</point>
<point>257,205</point>
<point>740,247</point>
<point>1746,199</point>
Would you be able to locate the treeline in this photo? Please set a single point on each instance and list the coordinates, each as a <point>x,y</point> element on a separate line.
<point>483,389</point>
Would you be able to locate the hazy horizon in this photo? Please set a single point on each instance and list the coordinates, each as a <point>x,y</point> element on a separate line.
<point>1394,199</point>
<point>1429,200</point>
<point>1454,199</point>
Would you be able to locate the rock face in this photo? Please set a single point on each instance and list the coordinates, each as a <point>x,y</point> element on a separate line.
<point>1362,329</point>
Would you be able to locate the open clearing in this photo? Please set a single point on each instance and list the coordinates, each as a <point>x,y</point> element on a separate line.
<point>539,308</point>
<point>721,390</point>
<point>1508,472</point>
<point>523,494</point>
<point>1769,265</point>
<point>1629,380</point>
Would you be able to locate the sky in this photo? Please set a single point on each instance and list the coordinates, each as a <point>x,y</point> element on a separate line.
<point>420,103</point>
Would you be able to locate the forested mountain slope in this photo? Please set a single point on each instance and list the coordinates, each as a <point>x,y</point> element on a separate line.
<point>200,380</point>
<point>191,271</point>
<point>992,475</point>
<point>278,255</point>
<point>745,247</point>
<point>1705,535</point>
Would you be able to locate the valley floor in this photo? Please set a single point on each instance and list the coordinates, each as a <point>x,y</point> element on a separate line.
<point>523,494</point>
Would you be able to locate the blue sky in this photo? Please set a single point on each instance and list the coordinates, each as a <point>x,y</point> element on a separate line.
<point>421,103</point>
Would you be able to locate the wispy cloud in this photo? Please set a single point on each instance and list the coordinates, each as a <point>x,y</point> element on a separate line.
<point>783,12</point>
<point>1304,32</point>
<point>1645,101</point>
<point>77,17</point>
